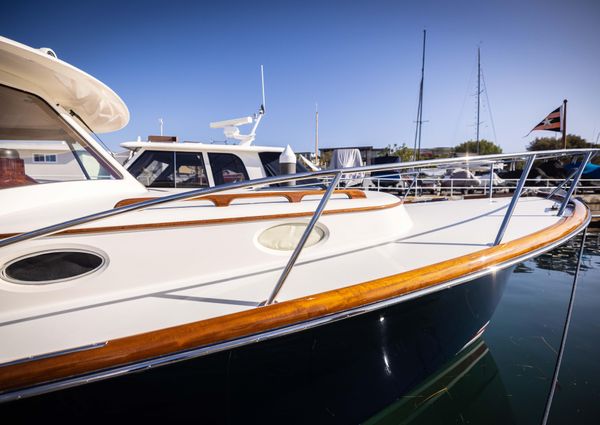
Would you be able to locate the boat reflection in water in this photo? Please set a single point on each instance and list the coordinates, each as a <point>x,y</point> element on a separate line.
<point>468,389</point>
<point>562,258</point>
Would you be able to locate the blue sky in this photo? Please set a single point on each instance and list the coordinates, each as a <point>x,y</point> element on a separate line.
<point>196,62</point>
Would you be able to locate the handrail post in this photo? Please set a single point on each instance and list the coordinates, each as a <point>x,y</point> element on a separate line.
<point>514,200</point>
<point>491,180</point>
<point>557,188</point>
<point>574,184</point>
<point>304,238</point>
<point>409,188</point>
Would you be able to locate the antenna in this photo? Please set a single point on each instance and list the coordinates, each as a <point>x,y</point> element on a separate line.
<point>262,83</point>
<point>230,127</point>
<point>160,122</point>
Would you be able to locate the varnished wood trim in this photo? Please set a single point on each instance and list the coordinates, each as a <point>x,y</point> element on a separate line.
<point>226,220</point>
<point>229,327</point>
<point>223,200</point>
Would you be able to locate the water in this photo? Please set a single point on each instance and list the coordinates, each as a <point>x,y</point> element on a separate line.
<point>526,331</point>
<point>509,382</point>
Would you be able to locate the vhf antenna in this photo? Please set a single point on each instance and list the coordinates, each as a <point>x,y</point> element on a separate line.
<point>261,110</point>
<point>262,83</point>
<point>230,127</point>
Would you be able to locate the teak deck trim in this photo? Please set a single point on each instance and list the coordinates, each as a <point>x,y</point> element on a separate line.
<point>208,332</point>
<point>188,223</point>
<point>224,200</point>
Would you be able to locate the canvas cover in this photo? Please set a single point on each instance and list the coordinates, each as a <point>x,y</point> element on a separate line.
<point>347,158</point>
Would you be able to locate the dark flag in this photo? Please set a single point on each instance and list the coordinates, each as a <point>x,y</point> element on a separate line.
<point>552,122</point>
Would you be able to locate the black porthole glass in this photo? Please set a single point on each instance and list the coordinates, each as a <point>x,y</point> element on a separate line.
<point>52,266</point>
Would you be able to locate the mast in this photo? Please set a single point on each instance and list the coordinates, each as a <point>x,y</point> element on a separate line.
<point>316,133</point>
<point>478,93</point>
<point>419,121</point>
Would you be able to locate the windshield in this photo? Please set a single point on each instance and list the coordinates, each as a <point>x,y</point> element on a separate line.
<point>169,169</point>
<point>37,146</point>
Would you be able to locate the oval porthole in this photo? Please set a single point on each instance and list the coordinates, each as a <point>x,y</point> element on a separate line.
<point>52,266</point>
<point>285,237</point>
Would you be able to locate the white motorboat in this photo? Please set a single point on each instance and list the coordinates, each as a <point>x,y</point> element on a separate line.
<point>223,297</point>
<point>199,164</point>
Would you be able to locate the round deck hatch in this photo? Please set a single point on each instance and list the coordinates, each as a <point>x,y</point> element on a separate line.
<point>285,237</point>
<point>52,266</point>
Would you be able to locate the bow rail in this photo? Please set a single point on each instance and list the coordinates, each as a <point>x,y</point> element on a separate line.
<point>335,176</point>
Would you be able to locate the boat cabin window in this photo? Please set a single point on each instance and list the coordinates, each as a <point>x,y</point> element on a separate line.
<point>170,169</point>
<point>227,168</point>
<point>38,146</point>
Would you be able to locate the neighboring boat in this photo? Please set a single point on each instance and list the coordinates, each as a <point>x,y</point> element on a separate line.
<point>224,298</point>
<point>164,164</point>
<point>185,165</point>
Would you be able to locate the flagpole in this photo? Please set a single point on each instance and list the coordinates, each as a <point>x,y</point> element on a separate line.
<point>564,124</point>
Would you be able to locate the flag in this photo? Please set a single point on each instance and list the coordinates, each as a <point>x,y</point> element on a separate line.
<point>552,122</point>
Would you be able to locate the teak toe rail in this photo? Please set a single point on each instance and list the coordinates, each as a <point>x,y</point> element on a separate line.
<point>150,345</point>
<point>224,200</point>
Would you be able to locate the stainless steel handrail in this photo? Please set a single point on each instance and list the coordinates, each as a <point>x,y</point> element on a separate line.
<point>48,230</point>
<point>515,198</point>
<point>315,217</point>
<point>531,157</point>
<point>559,187</point>
<point>574,184</point>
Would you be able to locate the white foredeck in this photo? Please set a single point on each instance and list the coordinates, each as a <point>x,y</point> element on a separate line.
<point>440,231</point>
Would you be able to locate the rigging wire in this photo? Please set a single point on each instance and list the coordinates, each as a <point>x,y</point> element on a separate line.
<point>462,108</point>
<point>489,107</point>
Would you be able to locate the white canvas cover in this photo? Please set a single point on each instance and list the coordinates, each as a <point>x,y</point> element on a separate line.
<point>485,179</point>
<point>347,158</point>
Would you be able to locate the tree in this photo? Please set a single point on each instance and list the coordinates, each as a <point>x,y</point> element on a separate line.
<point>485,147</point>
<point>404,152</point>
<point>550,143</point>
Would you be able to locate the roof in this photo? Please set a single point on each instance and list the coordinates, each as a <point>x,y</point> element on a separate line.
<point>57,82</point>
<point>199,147</point>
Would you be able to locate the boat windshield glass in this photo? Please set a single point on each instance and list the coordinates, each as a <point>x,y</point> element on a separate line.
<point>169,169</point>
<point>227,168</point>
<point>38,146</point>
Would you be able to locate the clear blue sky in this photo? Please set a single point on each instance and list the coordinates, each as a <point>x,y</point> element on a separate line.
<point>196,62</point>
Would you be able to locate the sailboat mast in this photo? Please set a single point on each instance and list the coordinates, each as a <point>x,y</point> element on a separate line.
<point>419,121</point>
<point>478,94</point>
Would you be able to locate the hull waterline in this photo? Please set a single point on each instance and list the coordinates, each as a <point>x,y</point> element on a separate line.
<point>340,372</point>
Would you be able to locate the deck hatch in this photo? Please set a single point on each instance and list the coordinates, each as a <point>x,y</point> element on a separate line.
<point>285,237</point>
<point>52,266</point>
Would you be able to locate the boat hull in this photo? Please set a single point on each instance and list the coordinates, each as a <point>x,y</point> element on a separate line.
<point>343,371</point>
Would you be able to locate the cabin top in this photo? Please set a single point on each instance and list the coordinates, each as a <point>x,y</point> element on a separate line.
<point>40,72</point>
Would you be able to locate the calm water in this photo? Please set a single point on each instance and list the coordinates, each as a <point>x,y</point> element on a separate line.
<point>506,378</point>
